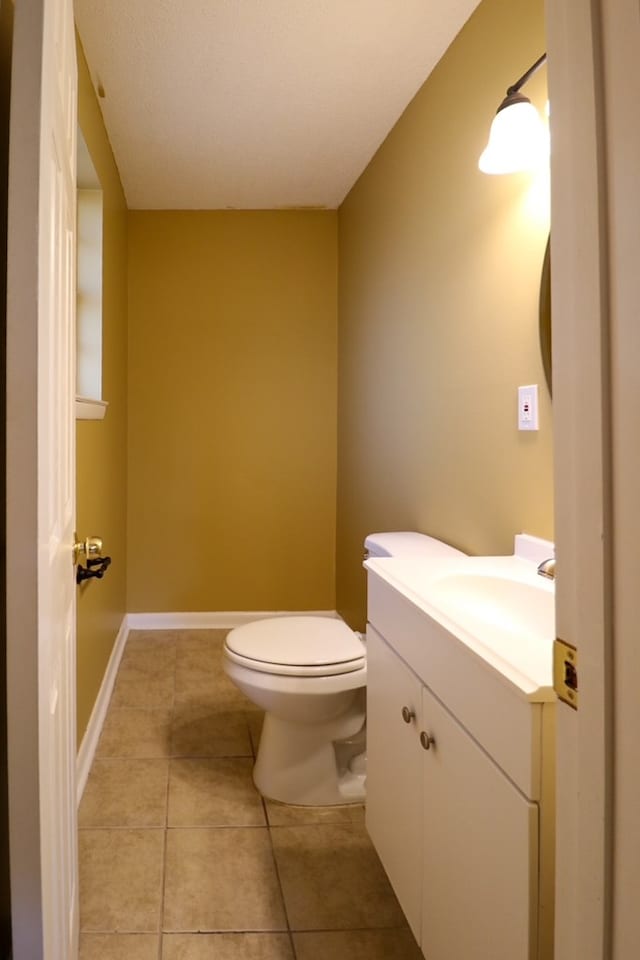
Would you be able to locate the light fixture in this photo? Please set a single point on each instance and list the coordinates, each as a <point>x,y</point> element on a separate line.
<point>518,139</point>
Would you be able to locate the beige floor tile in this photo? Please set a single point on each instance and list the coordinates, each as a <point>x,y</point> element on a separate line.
<point>146,665</point>
<point>287,815</point>
<point>227,946</point>
<point>135,733</point>
<point>125,793</point>
<point>198,652</point>
<point>221,879</point>
<point>150,639</point>
<point>120,880</point>
<point>201,639</point>
<point>332,879</point>
<point>214,793</point>
<point>119,946</point>
<point>145,681</point>
<point>200,677</point>
<point>197,681</point>
<point>150,651</point>
<point>203,731</point>
<point>256,720</point>
<point>357,945</point>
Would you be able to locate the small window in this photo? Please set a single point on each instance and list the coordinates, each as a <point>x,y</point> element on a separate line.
<point>89,402</point>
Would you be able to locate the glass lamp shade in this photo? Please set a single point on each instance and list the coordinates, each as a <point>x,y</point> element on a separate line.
<point>518,140</point>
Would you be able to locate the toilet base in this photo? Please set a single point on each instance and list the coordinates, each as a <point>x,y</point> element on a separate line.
<point>299,765</point>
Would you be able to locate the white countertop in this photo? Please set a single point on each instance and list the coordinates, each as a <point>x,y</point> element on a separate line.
<point>500,608</point>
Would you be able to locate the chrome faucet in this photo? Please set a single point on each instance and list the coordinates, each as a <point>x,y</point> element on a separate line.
<point>548,568</point>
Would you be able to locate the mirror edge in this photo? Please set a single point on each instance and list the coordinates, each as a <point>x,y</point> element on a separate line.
<point>544,315</point>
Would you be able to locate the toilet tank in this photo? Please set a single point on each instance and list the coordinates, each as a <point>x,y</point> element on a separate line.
<point>406,543</point>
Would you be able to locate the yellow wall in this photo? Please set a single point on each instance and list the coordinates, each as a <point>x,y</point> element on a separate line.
<point>232,410</point>
<point>439,272</point>
<point>101,445</point>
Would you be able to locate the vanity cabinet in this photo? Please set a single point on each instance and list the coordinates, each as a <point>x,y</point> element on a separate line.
<point>457,839</point>
<point>455,814</point>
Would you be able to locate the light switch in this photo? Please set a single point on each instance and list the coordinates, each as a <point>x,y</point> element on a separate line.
<point>528,407</point>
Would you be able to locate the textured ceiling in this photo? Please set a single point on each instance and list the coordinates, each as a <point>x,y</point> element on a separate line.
<point>256,104</point>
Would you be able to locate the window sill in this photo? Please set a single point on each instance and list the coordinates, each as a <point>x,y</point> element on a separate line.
<point>90,409</point>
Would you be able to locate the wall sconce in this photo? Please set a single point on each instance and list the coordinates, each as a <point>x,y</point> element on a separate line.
<point>518,139</point>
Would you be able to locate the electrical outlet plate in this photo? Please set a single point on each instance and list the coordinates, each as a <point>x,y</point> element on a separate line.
<point>528,407</point>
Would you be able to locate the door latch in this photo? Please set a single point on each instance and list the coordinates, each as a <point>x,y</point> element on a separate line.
<point>565,672</point>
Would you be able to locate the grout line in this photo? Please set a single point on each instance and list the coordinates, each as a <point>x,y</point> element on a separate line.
<point>279,879</point>
<point>221,933</point>
<point>397,926</point>
<point>163,892</point>
<point>293,946</point>
<point>178,756</point>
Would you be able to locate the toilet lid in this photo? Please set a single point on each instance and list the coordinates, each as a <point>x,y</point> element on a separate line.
<point>305,642</point>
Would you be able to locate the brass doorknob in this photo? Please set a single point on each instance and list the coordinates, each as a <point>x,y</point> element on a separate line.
<point>87,548</point>
<point>407,714</point>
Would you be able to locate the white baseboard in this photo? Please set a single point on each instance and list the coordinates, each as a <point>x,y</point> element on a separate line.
<point>214,620</point>
<point>91,736</point>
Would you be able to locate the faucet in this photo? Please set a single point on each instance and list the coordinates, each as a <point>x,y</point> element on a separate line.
<point>548,568</point>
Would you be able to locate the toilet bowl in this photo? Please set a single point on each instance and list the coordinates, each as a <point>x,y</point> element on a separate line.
<point>309,675</point>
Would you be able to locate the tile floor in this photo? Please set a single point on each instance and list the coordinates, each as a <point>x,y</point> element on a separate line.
<point>181,858</point>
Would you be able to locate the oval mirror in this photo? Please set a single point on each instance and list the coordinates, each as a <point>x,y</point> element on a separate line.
<point>544,314</point>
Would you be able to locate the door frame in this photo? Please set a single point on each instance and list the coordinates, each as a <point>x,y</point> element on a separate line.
<point>595,210</point>
<point>22,500</point>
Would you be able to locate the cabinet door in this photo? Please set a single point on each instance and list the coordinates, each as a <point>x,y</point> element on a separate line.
<point>394,773</point>
<point>480,851</point>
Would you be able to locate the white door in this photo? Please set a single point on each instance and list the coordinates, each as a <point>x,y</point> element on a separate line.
<point>394,774</point>
<point>40,483</point>
<point>480,848</point>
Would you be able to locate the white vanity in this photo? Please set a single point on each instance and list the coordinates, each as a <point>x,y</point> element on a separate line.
<point>460,745</point>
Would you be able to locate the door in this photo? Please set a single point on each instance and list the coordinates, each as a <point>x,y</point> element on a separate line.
<point>480,843</point>
<point>40,483</point>
<point>394,773</point>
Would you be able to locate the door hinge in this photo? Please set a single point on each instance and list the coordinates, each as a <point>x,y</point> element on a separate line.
<point>565,672</point>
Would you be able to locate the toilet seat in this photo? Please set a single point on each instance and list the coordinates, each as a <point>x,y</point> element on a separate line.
<point>296,646</point>
<point>296,670</point>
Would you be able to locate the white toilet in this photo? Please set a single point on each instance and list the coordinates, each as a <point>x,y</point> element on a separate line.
<point>309,675</point>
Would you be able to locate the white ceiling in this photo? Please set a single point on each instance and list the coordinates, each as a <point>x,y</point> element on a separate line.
<point>256,104</point>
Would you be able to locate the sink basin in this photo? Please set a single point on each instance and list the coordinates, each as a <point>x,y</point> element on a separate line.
<point>525,609</point>
<point>500,607</point>
<point>507,608</point>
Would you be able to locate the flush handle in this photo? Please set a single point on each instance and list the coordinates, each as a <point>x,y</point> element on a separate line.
<point>408,714</point>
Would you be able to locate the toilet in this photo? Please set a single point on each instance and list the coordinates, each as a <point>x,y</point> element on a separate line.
<point>309,675</point>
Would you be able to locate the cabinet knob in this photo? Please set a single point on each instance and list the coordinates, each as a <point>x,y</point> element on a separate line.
<point>408,714</point>
<point>426,740</point>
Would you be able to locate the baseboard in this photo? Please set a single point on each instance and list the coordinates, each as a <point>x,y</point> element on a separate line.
<point>214,620</point>
<point>91,736</point>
